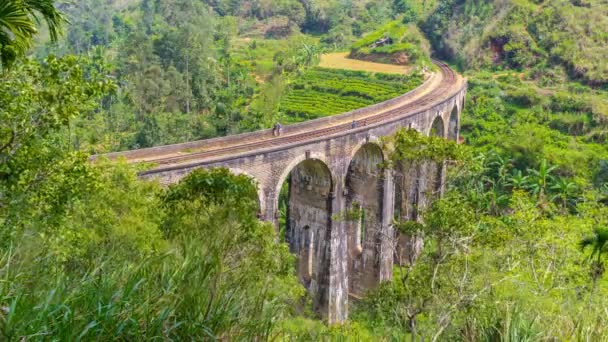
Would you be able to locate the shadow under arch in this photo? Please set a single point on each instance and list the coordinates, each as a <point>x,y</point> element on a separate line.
<point>307,188</point>
<point>285,175</point>
<point>437,128</point>
<point>364,197</point>
<point>454,124</point>
<point>434,172</point>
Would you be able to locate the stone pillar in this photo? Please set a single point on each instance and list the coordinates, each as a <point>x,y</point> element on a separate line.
<point>443,175</point>
<point>387,234</point>
<point>270,212</point>
<point>338,267</point>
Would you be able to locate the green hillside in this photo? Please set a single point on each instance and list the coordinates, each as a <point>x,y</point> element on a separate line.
<point>553,38</point>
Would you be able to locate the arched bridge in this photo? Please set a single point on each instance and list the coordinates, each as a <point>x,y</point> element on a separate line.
<point>332,164</point>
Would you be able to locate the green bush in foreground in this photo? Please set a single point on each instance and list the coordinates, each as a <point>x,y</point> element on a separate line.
<point>217,272</point>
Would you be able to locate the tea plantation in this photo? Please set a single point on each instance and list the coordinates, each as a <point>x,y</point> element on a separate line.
<point>322,92</point>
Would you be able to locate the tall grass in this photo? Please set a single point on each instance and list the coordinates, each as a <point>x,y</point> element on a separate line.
<point>219,275</point>
<point>176,295</point>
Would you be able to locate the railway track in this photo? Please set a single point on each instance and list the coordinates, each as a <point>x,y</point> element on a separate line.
<point>447,82</point>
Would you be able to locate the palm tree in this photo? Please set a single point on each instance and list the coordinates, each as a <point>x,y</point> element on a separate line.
<point>18,21</point>
<point>598,242</point>
<point>501,166</point>
<point>566,190</point>
<point>518,180</point>
<point>540,179</point>
<point>496,198</point>
<point>307,55</point>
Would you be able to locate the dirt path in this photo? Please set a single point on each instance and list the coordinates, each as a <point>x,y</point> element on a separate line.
<point>339,60</point>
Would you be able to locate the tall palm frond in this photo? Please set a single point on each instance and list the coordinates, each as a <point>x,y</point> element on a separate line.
<point>18,20</point>
<point>518,180</point>
<point>565,191</point>
<point>598,242</point>
<point>46,9</point>
<point>15,22</point>
<point>16,27</point>
<point>540,179</point>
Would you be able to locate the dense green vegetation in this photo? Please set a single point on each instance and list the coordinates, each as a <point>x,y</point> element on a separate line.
<point>562,124</point>
<point>322,92</point>
<point>126,259</point>
<point>554,38</point>
<point>181,71</point>
<point>505,250</point>
<point>516,250</point>
<point>190,70</point>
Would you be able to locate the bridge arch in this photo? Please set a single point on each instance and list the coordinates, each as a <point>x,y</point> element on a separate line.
<point>437,128</point>
<point>364,191</point>
<point>370,140</point>
<point>290,167</point>
<point>460,100</point>
<point>454,124</point>
<point>432,172</point>
<point>416,184</point>
<point>307,228</point>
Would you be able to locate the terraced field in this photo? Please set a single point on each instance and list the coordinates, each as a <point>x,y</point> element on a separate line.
<point>322,92</point>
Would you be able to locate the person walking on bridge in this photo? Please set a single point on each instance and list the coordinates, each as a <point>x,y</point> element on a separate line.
<point>278,129</point>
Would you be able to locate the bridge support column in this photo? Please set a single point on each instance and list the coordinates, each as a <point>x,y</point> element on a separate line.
<point>269,211</point>
<point>443,174</point>
<point>387,235</point>
<point>338,268</point>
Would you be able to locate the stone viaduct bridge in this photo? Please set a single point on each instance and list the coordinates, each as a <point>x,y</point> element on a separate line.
<point>331,165</point>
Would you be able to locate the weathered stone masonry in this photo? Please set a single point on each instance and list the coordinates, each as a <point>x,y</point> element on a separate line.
<point>328,175</point>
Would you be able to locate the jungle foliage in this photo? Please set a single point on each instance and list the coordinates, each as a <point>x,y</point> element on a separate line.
<point>89,251</point>
<point>515,250</point>
<point>561,38</point>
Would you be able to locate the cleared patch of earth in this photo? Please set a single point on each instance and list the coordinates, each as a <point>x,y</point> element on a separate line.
<point>340,60</point>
